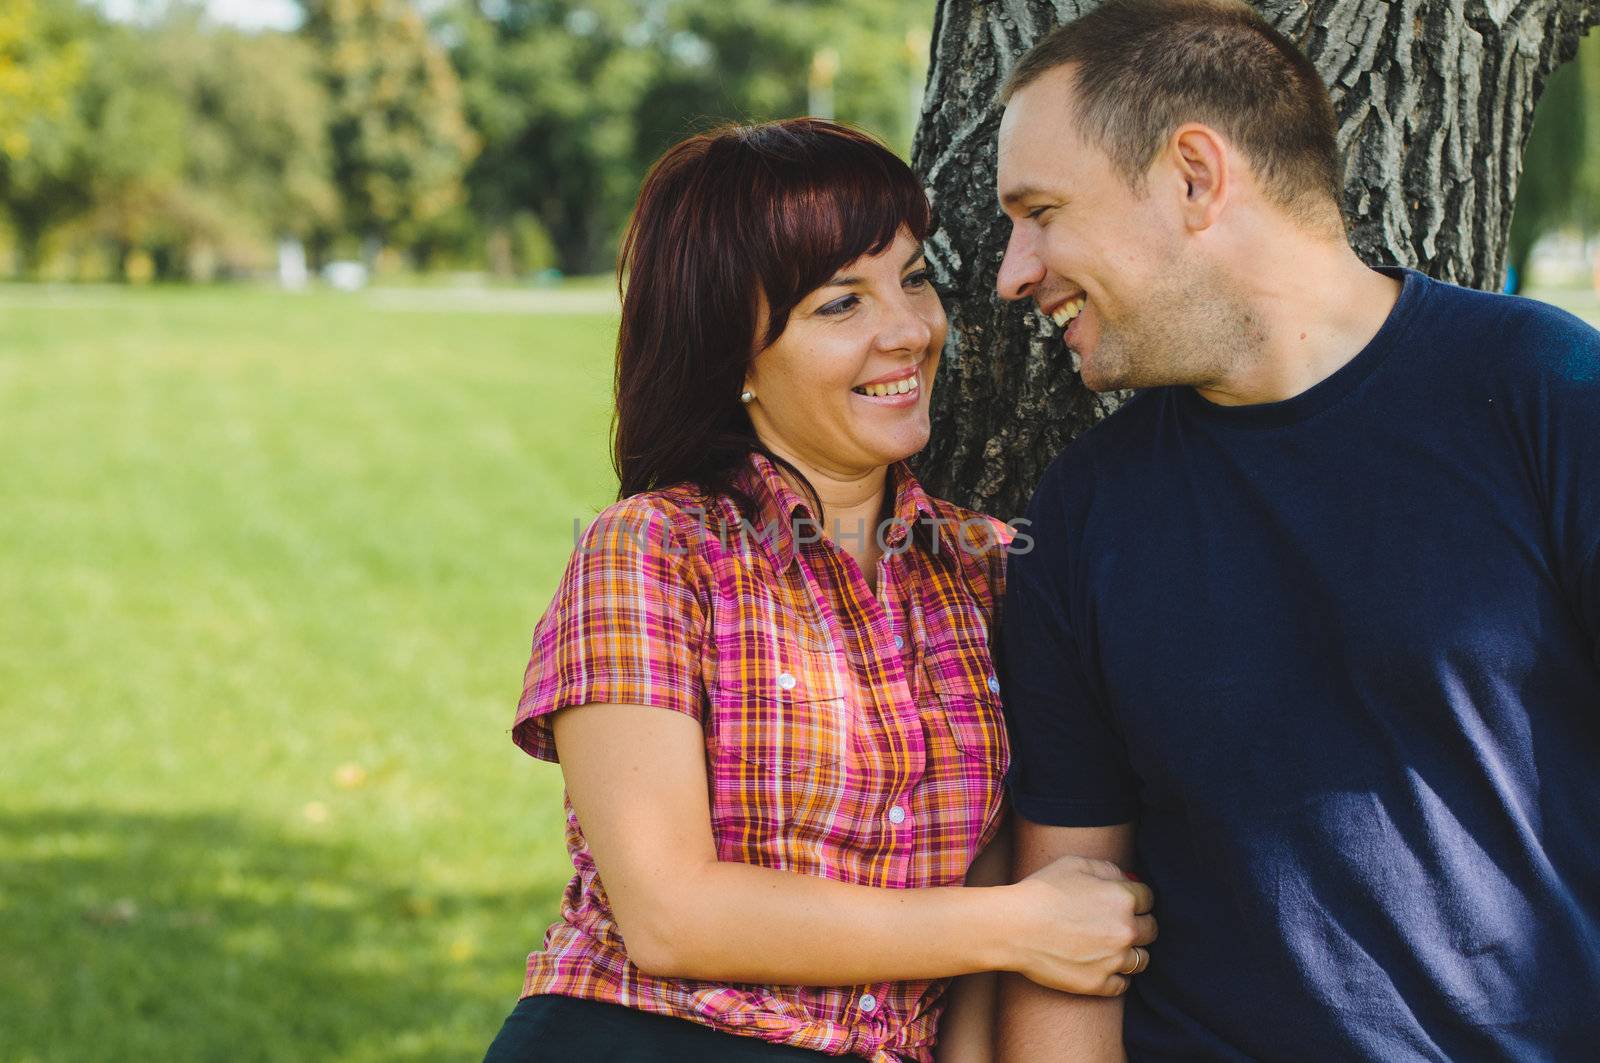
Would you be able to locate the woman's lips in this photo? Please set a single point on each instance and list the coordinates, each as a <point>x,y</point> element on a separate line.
<point>891,394</point>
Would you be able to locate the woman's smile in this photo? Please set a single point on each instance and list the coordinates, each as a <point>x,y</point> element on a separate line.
<point>896,390</point>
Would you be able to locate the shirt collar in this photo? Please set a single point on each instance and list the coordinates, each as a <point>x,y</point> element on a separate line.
<point>761,479</point>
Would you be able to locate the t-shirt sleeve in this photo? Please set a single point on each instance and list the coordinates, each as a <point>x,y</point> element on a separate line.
<point>1069,767</point>
<point>1570,445</point>
<point>626,627</point>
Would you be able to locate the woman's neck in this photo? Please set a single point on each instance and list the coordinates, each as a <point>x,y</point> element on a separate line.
<point>852,507</point>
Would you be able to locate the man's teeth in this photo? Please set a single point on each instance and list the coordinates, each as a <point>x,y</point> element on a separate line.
<point>1067,311</point>
<point>897,387</point>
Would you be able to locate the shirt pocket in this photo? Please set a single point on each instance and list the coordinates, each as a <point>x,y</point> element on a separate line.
<point>977,726</point>
<point>779,763</point>
<point>963,690</point>
<point>958,671</point>
<point>786,721</point>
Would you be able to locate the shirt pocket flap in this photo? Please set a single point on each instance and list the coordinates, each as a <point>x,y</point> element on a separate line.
<point>786,716</point>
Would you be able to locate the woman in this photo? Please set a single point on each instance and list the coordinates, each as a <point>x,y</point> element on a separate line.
<point>804,851</point>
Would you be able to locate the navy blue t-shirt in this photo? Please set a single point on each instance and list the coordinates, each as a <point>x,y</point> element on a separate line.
<point>1339,658</point>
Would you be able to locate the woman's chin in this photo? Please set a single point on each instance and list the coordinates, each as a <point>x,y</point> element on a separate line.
<point>900,445</point>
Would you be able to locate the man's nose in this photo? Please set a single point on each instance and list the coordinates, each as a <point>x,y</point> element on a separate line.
<point>1021,270</point>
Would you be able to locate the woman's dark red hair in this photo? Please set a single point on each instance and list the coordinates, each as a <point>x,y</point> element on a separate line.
<point>725,217</point>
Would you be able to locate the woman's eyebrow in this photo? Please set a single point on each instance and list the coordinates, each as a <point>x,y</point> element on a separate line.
<point>845,282</point>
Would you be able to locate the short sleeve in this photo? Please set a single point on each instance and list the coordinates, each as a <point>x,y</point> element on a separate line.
<point>626,626</point>
<point>1069,767</point>
<point>1569,351</point>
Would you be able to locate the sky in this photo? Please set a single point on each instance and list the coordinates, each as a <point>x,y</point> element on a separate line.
<point>254,14</point>
<point>247,14</point>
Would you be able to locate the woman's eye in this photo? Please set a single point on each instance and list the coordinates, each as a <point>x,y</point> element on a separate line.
<point>917,279</point>
<point>838,306</point>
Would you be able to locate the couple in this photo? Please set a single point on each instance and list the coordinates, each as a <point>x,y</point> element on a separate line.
<point>1306,635</point>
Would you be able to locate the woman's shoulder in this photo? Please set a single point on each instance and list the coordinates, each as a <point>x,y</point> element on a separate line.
<point>678,515</point>
<point>972,532</point>
<point>980,542</point>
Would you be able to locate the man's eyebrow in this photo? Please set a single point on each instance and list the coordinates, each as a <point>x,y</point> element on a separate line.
<point>1017,195</point>
<point>845,282</point>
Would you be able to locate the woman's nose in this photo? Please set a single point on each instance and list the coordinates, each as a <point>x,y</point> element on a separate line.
<point>909,328</point>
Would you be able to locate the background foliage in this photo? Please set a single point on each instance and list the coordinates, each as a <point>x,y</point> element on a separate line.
<point>507,134</point>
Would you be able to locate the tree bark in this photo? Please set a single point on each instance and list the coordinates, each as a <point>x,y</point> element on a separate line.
<point>1434,99</point>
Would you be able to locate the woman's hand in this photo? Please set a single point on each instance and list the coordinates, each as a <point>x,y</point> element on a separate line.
<point>636,778</point>
<point>1079,922</point>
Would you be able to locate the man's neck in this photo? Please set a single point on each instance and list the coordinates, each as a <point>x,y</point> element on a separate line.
<point>1313,306</point>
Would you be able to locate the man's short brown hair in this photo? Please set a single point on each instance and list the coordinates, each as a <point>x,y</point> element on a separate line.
<point>1142,68</point>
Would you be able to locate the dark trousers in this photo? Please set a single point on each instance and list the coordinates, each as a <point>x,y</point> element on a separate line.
<point>549,1028</point>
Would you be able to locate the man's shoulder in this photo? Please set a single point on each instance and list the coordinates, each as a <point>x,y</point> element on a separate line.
<point>1523,338</point>
<point>1557,346</point>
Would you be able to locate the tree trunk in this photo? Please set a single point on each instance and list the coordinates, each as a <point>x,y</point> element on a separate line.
<point>1434,98</point>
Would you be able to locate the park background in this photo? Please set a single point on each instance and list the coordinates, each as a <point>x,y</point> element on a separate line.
<point>305,342</point>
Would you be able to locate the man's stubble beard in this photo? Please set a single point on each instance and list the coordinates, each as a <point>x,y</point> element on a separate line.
<point>1189,329</point>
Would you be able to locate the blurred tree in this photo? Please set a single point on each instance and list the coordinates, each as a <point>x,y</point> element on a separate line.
<point>1561,164</point>
<point>399,140</point>
<point>43,54</point>
<point>575,98</point>
<point>40,62</point>
<point>258,134</point>
<point>209,144</point>
<point>184,147</point>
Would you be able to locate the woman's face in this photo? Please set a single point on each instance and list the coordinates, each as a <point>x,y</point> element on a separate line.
<point>845,388</point>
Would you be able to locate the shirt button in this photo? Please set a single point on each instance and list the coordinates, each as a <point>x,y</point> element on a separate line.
<point>869,1002</point>
<point>786,681</point>
<point>899,643</point>
<point>897,814</point>
<point>994,685</point>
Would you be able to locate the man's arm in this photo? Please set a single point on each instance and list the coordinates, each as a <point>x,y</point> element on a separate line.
<point>1039,1025</point>
<point>967,1029</point>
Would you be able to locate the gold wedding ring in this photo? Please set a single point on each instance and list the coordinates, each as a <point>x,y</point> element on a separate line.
<point>1141,960</point>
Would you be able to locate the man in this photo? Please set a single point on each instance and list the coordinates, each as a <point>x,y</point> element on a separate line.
<point>1310,633</point>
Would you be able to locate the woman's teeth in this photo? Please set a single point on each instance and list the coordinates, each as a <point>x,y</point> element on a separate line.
<point>1068,310</point>
<point>895,387</point>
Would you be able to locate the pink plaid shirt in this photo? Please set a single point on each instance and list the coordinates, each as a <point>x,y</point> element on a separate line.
<point>850,735</point>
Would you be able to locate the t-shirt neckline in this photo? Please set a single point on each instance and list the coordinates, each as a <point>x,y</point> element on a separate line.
<point>1331,388</point>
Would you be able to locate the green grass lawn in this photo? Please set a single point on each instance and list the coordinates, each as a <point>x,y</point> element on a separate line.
<point>269,567</point>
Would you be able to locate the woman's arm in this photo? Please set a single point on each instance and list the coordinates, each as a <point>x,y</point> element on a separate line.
<point>967,1028</point>
<point>637,781</point>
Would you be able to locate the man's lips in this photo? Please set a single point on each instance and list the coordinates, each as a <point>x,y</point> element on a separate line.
<point>1064,311</point>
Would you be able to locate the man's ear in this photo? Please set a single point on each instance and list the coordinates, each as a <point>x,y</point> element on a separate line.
<point>1200,157</point>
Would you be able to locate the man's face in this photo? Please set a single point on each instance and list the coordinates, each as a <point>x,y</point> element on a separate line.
<point>1110,264</point>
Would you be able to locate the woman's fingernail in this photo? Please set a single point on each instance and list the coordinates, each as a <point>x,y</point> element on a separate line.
<point>1131,875</point>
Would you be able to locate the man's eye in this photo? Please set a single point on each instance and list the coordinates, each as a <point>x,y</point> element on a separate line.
<point>1033,215</point>
<point>838,306</point>
<point>917,279</point>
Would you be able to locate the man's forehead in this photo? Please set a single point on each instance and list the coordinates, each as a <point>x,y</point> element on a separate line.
<point>1040,112</point>
<point>1028,152</point>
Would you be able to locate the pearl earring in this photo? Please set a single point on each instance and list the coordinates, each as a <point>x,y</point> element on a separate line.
<point>747,396</point>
